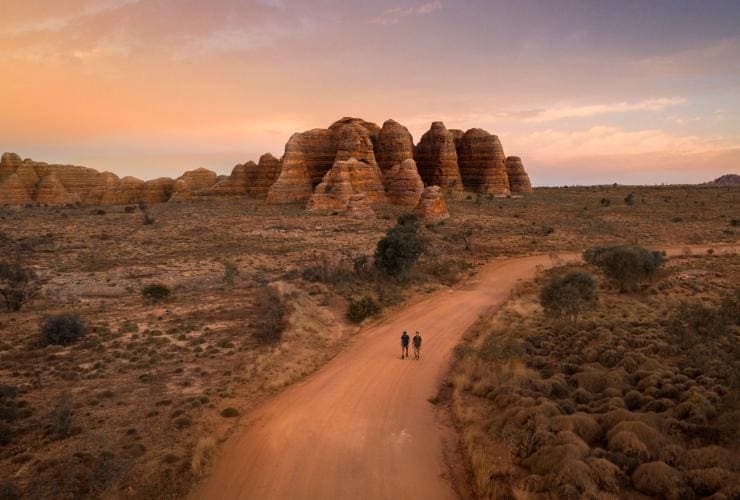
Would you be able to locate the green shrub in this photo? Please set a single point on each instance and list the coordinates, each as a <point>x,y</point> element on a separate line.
<point>570,295</point>
<point>272,316</point>
<point>362,308</point>
<point>396,253</point>
<point>229,412</point>
<point>156,292</point>
<point>62,329</point>
<point>628,265</point>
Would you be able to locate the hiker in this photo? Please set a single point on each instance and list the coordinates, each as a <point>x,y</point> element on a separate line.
<point>417,345</point>
<point>404,344</point>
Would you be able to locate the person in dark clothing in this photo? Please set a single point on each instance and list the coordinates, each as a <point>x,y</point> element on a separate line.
<point>404,345</point>
<point>417,346</point>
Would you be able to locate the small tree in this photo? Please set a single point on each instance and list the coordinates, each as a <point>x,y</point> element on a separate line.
<point>272,316</point>
<point>62,329</point>
<point>18,285</point>
<point>628,265</point>
<point>396,253</point>
<point>570,295</point>
<point>362,308</point>
<point>630,199</point>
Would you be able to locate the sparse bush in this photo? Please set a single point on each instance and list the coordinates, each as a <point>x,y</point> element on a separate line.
<point>629,199</point>
<point>18,285</point>
<point>605,202</point>
<point>62,329</point>
<point>396,253</point>
<point>362,308</point>
<point>570,295</point>
<point>628,265</point>
<point>231,272</point>
<point>156,292</point>
<point>8,491</point>
<point>60,419</point>
<point>272,316</point>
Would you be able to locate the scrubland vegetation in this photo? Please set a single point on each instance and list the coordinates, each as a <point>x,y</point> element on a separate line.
<point>639,397</point>
<point>132,345</point>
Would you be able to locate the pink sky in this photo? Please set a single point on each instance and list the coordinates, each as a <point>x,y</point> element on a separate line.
<point>584,91</point>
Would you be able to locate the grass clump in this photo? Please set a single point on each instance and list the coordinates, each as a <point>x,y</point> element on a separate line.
<point>272,314</point>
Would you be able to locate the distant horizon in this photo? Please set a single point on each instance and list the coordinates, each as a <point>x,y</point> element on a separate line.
<point>632,92</point>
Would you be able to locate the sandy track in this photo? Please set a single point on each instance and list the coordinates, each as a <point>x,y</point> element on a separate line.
<point>362,427</point>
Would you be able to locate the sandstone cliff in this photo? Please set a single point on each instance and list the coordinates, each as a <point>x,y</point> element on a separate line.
<point>262,176</point>
<point>518,178</point>
<point>344,179</point>
<point>395,145</point>
<point>432,206</point>
<point>482,163</point>
<point>404,185</point>
<point>192,183</point>
<point>436,158</point>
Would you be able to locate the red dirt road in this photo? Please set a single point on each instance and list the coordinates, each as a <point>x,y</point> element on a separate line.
<point>362,426</point>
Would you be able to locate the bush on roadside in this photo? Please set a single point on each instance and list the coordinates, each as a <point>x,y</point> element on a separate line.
<point>62,329</point>
<point>272,316</point>
<point>398,251</point>
<point>362,308</point>
<point>569,296</point>
<point>628,265</point>
<point>155,292</point>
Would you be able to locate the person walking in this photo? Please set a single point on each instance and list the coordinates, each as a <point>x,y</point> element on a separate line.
<point>417,346</point>
<point>404,345</point>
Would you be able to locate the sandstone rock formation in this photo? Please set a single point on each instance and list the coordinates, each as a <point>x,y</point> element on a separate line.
<point>436,158</point>
<point>482,163</point>
<point>262,176</point>
<point>231,185</point>
<point>404,185</point>
<point>9,162</point>
<point>358,207</point>
<point>191,182</point>
<point>13,191</point>
<point>395,145</point>
<point>157,190</point>
<point>51,191</point>
<point>432,205</point>
<point>518,178</point>
<point>309,156</point>
<point>343,180</point>
<point>28,175</point>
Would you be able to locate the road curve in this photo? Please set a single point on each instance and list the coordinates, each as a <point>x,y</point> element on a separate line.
<point>362,426</point>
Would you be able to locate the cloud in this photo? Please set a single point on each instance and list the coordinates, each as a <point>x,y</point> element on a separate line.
<point>559,113</point>
<point>397,14</point>
<point>61,22</point>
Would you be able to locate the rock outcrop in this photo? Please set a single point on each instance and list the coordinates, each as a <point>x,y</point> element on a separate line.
<point>344,179</point>
<point>436,158</point>
<point>482,163</point>
<point>404,185</point>
<point>231,185</point>
<point>192,183</point>
<point>395,145</point>
<point>13,192</point>
<point>51,191</point>
<point>432,206</point>
<point>9,163</point>
<point>358,207</point>
<point>157,190</point>
<point>262,176</point>
<point>518,178</point>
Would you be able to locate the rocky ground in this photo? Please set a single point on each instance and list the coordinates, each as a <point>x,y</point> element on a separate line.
<point>139,405</point>
<point>638,399</point>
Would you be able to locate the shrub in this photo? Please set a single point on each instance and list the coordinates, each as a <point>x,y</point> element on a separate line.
<point>629,199</point>
<point>230,273</point>
<point>605,202</point>
<point>60,419</point>
<point>628,265</point>
<point>272,316</point>
<point>396,253</point>
<point>18,285</point>
<point>362,308</point>
<point>569,295</point>
<point>155,292</point>
<point>62,329</point>
<point>229,412</point>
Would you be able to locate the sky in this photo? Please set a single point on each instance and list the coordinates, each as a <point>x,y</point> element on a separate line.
<point>585,91</point>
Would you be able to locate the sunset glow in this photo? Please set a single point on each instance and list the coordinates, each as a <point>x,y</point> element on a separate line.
<point>584,91</point>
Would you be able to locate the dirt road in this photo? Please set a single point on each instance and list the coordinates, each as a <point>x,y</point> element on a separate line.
<point>362,427</point>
